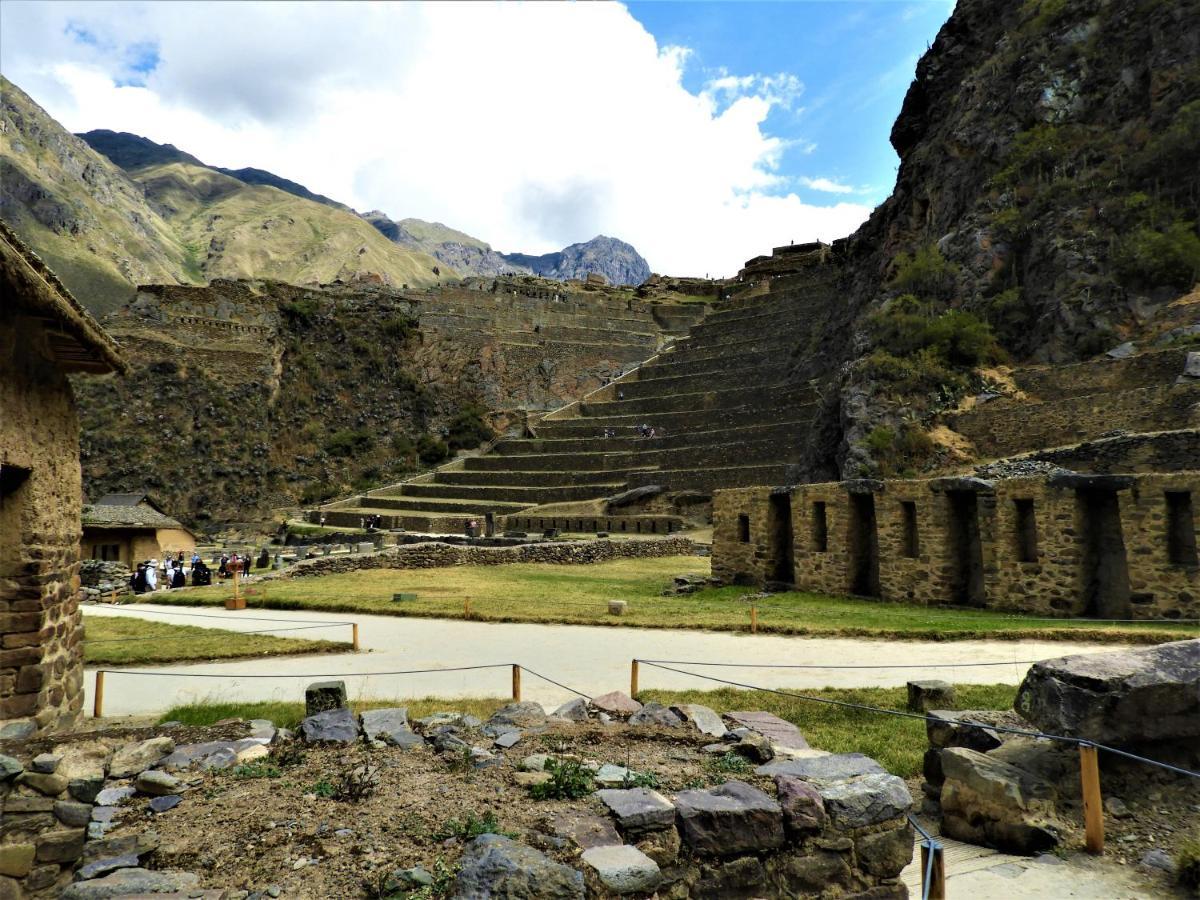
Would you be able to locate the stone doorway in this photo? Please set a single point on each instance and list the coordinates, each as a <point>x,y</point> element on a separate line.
<point>782,563</point>
<point>966,549</point>
<point>864,546</point>
<point>1104,571</point>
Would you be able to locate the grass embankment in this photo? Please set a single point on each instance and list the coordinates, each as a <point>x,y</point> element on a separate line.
<point>288,715</point>
<point>113,641</point>
<point>579,595</point>
<point>897,743</point>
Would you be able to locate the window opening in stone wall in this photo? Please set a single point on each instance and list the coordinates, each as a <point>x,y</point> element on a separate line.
<point>820,528</point>
<point>782,566</point>
<point>744,528</point>
<point>1104,571</point>
<point>911,541</point>
<point>966,549</point>
<point>864,546</point>
<point>1181,529</point>
<point>1027,543</point>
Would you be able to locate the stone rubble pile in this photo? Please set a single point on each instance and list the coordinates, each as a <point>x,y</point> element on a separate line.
<point>99,578</point>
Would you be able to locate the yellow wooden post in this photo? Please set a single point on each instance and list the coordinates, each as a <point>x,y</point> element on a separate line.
<point>516,683</point>
<point>633,678</point>
<point>466,607</point>
<point>754,620</point>
<point>98,698</point>
<point>354,633</point>
<point>1093,809</point>
<point>936,888</point>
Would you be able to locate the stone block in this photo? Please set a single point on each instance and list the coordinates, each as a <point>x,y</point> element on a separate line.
<point>943,730</point>
<point>867,800</point>
<point>731,819</point>
<point>45,763</point>
<point>133,882</point>
<point>617,607</point>
<point>1124,697</point>
<point>813,873</point>
<point>385,724</point>
<point>803,808</point>
<point>932,694</point>
<point>85,790</point>
<point>703,719</point>
<point>322,695</point>
<point>84,760</point>
<point>75,815</point>
<point>494,866</point>
<point>10,767</point>
<point>638,809</point>
<point>776,730</point>
<point>885,853</point>
<point>137,844</point>
<point>157,784</point>
<point>574,710</point>
<point>334,726</point>
<point>14,804</point>
<point>16,859</point>
<point>138,756</point>
<point>824,769</point>
<point>584,829</point>
<point>656,714</point>
<point>623,869</point>
<point>519,715</point>
<point>60,846</point>
<point>50,785</point>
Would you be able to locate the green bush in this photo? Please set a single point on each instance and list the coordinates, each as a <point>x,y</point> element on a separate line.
<point>955,338</point>
<point>569,780</point>
<point>1188,863</point>
<point>300,312</point>
<point>1153,258</point>
<point>316,493</point>
<point>398,328</point>
<point>431,450</point>
<point>926,272</point>
<point>472,827</point>
<point>468,430</point>
<point>350,442</point>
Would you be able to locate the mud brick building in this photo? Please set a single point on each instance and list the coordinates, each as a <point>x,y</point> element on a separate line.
<point>44,335</point>
<point>1064,544</point>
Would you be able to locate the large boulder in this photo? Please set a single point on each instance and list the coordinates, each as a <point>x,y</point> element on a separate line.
<point>494,866</point>
<point>729,820</point>
<point>138,756</point>
<point>867,800</point>
<point>1124,697</point>
<point>333,726</point>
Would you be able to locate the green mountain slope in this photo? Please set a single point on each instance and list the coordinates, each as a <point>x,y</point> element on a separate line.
<point>82,214</point>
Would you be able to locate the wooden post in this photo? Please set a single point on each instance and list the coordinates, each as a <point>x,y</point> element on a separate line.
<point>754,620</point>
<point>354,633</point>
<point>516,683</point>
<point>466,607</point>
<point>633,678</point>
<point>98,698</point>
<point>936,888</point>
<point>1093,808</point>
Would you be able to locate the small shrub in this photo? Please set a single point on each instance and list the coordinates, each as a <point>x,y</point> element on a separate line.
<point>431,450</point>
<point>925,272</point>
<point>316,493</point>
<point>287,754</point>
<point>300,312</point>
<point>640,779</point>
<point>398,328</point>
<point>472,827</point>
<point>468,430</point>
<point>324,788</point>
<point>569,780</point>
<point>1155,258</point>
<point>256,770</point>
<point>1188,863</point>
<point>356,783</point>
<point>731,763</point>
<point>349,442</point>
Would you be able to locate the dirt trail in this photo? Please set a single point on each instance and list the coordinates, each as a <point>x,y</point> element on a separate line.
<point>590,659</point>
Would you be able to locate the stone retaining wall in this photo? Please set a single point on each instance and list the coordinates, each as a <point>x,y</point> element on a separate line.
<point>437,555</point>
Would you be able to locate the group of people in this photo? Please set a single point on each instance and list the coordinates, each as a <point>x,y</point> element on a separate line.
<point>153,574</point>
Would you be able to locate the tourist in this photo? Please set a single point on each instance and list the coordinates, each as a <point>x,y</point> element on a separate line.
<point>246,564</point>
<point>151,575</point>
<point>234,566</point>
<point>138,580</point>
<point>201,574</point>
<point>322,520</point>
<point>223,569</point>
<point>178,580</point>
<point>620,394</point>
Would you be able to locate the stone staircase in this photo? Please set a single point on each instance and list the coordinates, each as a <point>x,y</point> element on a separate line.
<point>724,413</point>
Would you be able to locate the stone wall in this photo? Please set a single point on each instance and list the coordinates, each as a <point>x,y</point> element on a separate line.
<point>1068,545</point>
<point>1163,451</point>
<point>41,673</point>
<point>436,555</point>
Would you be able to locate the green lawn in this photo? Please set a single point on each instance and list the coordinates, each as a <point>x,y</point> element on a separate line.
<point>897,743</point>
<point>113,641</point>
<point>579,595</point>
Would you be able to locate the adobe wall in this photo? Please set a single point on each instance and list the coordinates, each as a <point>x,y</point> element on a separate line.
<point>41,662</point>
<point>1036,547</point>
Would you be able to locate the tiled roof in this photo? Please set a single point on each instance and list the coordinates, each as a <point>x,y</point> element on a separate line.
<point>113,515</point>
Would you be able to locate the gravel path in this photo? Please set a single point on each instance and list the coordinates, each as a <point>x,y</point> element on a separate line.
<point>590,659</point>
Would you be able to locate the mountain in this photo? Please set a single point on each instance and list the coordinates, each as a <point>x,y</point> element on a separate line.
<point>465,254</point>
<point>89,220</point>
<point>616,260</point>
<point>140,213</point>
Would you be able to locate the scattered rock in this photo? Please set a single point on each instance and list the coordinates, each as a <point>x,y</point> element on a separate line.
<point>132,881</point>
<point>824,769</point>
<point>803,808</point>
<point>656,714</point>
<point>574,710</point>
<point>610,774</point>
<point>45,763</point>
<point>333,726</point>
<point>530,779</point>
<point>137,757</point>
<point>754,747</point>
<point>519,715</point>
<point>776,730</point>
<point>536,762</point>
<point>986,800</point>
<point>616,702</point>
<point>75,815</point>
<point>1125,697</point>
<point>163,803</point>
<point>1158,859</point>
<point>927,695</point>
<point>157,784</point>
<point>584,829</point>
<point>730,820</point>
<point>638,809</point>
<point>103,866</point>
<point>322,696</point>
<point>85,760</point>
<point>623,869</point>
<point>390,726</point>
<point>9,767</point>
<point>703,719</point>
<point>867,800</point>
<point>494,866</point>
<point>508,739</point>
<point>50,785</point>
<point>113,796</point>
<point>1116,808</point>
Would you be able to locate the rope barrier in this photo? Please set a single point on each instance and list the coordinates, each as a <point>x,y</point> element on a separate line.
<point>236,675</point>
<point>1078,742</point>
<point>196,637</point>
<point>239,618</point>
<point>556,683</point>
<point>679,662</point>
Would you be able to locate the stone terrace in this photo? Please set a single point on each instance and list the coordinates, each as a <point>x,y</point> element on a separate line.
<point>725,414</point>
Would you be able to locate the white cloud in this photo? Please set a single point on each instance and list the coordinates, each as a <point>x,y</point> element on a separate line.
<point>529,125</point>
<point>826,185</point>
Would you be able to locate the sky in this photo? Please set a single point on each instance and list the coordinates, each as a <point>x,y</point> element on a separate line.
<point>702,133</point>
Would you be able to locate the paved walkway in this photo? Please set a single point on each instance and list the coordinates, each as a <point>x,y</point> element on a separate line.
<point>591,659</point>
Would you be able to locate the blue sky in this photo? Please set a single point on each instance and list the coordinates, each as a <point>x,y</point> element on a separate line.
<point>855,61</point>
<point>702,133</point>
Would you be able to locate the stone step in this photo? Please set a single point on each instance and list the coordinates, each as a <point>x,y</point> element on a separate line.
<point>512,494</point>
<point>780,342</point>
<point>536,477</point>
<point>716,397</point>
<point>788,318</point>
<point>763,373</point>
<point>666,366</point>
<point>768,408</point>
<point>451,522</point>
<point>710,479</point>
<point>529,521</point>
<point>395,502</point>
<point>1099,376</point>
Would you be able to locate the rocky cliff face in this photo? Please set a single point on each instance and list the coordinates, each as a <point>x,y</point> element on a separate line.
<point>616,260</point>
<point>459,251</point>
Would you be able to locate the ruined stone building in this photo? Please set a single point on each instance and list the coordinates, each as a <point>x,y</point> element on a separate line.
<point>1061,544</point>
<point>132,528</point>
<point>44,335</point>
